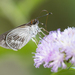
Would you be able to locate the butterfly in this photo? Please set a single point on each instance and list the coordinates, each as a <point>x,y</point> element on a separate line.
<point>18,37</point>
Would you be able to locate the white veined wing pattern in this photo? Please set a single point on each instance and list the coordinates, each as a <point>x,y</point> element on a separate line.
<point>18,37</point>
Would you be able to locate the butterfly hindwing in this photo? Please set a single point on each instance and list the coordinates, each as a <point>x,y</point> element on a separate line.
<point>3,40</point>
<point>17,38</point>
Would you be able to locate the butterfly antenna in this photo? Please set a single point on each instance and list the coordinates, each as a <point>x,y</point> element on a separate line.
<point>45,15</point>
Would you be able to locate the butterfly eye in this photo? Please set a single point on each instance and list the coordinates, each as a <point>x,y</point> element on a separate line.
<point>34,22</point>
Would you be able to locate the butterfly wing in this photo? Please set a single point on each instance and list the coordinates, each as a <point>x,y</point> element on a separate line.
<point>3,40</point>
<point>16,38</point>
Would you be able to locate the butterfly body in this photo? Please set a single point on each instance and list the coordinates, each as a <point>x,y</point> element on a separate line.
<point>17,38</point>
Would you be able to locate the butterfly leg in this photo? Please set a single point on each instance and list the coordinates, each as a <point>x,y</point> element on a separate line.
<point>35,41</point>
<point>40,30</point>
<point>45,30</point>
<point>41,37</point>
<point>43,33</point>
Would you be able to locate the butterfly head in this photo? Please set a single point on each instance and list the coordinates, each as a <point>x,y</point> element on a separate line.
<point>34,21</point>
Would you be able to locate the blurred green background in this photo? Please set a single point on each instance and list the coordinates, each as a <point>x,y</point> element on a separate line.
<point>16,12</point>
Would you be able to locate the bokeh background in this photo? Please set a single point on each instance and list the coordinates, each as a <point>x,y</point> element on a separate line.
<point>17,12</point>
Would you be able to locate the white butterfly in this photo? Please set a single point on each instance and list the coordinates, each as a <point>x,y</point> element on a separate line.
<point>20,36</point>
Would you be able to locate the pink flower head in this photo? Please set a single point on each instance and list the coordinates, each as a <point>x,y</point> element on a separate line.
<point>68,42</point>
<point>56,48</point>
<point>48,52</point>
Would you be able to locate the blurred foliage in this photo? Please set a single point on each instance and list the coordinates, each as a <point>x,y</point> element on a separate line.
<point>65,72</point>
<point>16,12</point>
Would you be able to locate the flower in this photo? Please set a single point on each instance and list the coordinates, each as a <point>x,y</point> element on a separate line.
<point>69,43</point>
<point>56,48</point>
<point>48,52</point>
